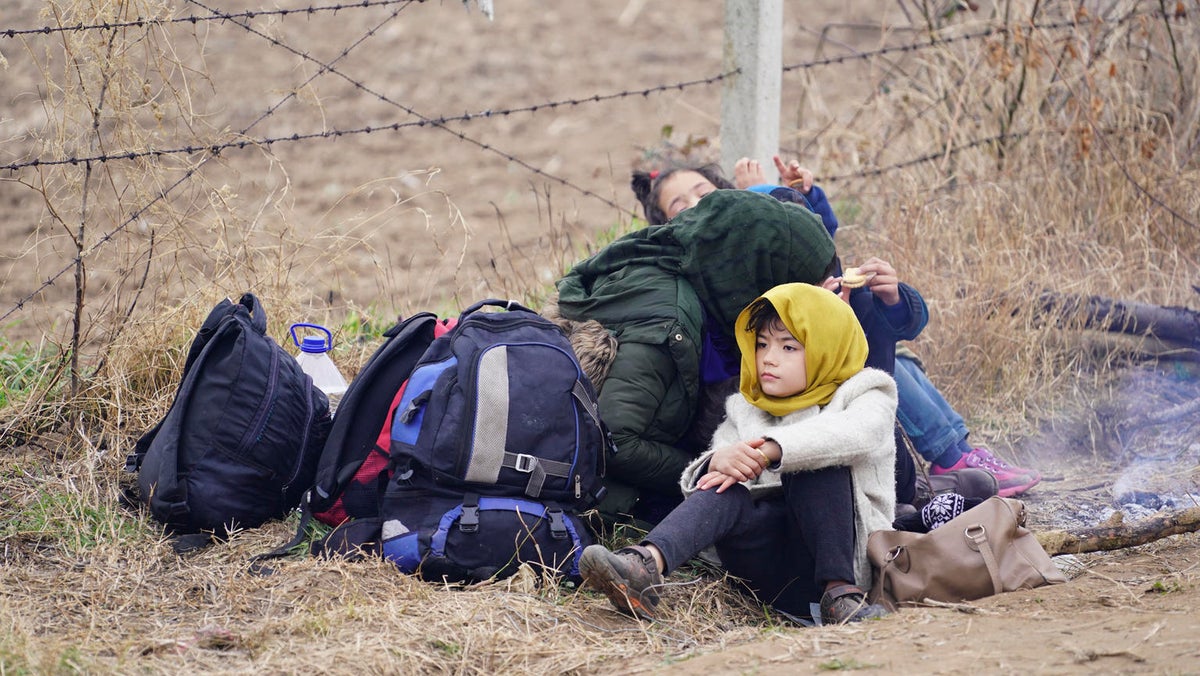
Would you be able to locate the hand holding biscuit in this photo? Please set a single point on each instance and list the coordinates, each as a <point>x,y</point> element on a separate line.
<point>881,279</point>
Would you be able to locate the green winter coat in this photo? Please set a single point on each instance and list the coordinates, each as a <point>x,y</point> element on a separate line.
<point>653,289</point>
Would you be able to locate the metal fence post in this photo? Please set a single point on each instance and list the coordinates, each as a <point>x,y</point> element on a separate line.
<point>750,100</point>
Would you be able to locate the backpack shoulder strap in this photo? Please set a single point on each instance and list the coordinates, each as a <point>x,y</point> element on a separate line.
<point>507,305</point>
<point>365,402</point>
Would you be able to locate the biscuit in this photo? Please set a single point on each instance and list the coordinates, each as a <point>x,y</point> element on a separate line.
<point>852,278</point>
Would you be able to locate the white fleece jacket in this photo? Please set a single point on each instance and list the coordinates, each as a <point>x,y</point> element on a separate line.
<point>855,429</point>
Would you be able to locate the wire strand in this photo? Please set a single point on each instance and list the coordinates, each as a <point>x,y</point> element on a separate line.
<point>140,22</point>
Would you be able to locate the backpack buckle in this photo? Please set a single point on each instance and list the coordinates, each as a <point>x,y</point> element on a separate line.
<point>558,523</point>
<point>525,463</point>
<point>469,521</point>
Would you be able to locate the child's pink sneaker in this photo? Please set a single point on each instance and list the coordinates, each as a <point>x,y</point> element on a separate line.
<point>1012,480</point>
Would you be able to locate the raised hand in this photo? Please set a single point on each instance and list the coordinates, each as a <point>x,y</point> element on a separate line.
<point>794,175</point>
<point>748,172</point>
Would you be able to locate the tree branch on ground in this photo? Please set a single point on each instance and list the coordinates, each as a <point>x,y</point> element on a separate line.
<point>1120,536</point>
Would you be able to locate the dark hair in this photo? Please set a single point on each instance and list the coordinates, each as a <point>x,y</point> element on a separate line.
<point>647,187</point>
<point>763,315</point>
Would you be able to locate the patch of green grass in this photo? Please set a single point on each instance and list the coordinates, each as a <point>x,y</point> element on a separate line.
<point>11,662</point>
<point>366,326</point>
<point>20,369</point>
<point>314,531</point>
<point>71,521</point>
<point>448,647</point>
<point>1164,587</point>
<point>72,661</point>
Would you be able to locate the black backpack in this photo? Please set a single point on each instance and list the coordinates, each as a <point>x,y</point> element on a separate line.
<point>497,447</point>
<point>353,468</point>
<point>239,444</point>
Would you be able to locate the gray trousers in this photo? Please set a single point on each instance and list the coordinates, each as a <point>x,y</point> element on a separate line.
<point>784,548</point>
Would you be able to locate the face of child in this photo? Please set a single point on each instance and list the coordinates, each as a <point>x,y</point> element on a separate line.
<point>779,359</point>
<point>681,191</point>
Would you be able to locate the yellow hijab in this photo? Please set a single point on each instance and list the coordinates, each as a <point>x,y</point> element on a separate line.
<point>835,347</point>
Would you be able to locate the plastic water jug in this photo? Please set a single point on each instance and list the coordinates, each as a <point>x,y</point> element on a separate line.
<point>314,360</point>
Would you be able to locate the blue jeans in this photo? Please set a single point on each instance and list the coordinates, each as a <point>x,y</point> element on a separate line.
<point>934,427</point>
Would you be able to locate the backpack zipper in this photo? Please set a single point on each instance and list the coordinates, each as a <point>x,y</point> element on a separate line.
<point>260,417</point>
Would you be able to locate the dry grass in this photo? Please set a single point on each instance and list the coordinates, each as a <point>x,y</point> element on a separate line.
<point>1094,195</point>
<point>96,591</point>
<point>1091,197</point>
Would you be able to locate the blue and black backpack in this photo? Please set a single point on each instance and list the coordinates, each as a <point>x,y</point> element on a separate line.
<point>496,447</point>
<point>463,449</point>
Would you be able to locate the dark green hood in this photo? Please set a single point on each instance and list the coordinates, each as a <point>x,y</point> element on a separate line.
<point>731,247</point>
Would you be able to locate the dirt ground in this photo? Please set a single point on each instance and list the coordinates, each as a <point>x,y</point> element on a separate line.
<point>1130,611</point>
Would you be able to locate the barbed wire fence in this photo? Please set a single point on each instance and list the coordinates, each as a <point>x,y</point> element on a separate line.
<point>196,156</point>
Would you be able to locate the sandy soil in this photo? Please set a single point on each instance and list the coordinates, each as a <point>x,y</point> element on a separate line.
<point>1131,612</point>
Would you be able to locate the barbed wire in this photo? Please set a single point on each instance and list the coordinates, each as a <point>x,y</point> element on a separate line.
<point>878,171</point>
<point>108,236</point>
<point>312,10</point>
<point>469,117</point>
<point>141,22</point>
<point>216,148</point>
<point>325,67</point>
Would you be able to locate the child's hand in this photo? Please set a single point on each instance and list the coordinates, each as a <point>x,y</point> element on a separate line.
<point>884,284</point>
<point>713,478</point>
<point>742,460</point>
<point>794,175</point>
<point>748,172</point>
<point>834,284</point>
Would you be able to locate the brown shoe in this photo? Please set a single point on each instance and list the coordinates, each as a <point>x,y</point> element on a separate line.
<point>627,577</point>
<point>848,603</point>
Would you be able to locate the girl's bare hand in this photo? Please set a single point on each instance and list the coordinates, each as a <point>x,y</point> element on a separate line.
<point>748,172</point>
<point>742,460</point>
<point>794,175</point>
<point>717,479</point>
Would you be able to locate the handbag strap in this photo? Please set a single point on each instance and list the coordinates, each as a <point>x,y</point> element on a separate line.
<point>978,534</point>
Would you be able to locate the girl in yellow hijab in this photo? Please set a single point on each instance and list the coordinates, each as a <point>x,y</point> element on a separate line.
<point>804,320</point>
<point>798,474</point>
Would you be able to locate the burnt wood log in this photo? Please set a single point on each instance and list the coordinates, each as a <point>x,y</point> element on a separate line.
<point>1120,536</point>
<point>1180,413</point>
<point>1175,324</point>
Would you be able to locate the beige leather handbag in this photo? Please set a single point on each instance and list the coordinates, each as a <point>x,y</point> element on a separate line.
<point>983,551</point>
